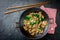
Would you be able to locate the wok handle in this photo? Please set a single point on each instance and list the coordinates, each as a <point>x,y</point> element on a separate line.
<point>51,20</point>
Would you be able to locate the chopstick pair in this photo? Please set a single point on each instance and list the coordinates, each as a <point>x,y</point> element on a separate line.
<point>25,7</point>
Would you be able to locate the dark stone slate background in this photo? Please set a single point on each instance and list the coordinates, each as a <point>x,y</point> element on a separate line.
<point>8,30</point>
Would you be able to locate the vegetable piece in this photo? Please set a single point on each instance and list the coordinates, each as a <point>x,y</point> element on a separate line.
<point>42,19</point>
<point>37,15</point>
<point>37,22</point>
<point>28,17</point>
<point>40,28</point>
<point>32,23</point>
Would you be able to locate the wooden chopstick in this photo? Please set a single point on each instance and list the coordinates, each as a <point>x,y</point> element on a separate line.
<point>18,10</point>
<point>25,7</point>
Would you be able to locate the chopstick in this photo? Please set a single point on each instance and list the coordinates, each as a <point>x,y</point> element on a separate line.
<point>42,3</point>
<point>24,7</point>
<point>14,11</point>
<point>18,10</point>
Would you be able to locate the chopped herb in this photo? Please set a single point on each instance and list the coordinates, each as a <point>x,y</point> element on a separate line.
<point>37,15</point>
<point>42,19</point>
<point>28,17</point>
<point>37,22</point>
<point>41,28</point>
<point>32,23</point>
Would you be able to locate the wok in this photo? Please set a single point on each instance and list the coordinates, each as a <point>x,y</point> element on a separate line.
<point>25,33</point>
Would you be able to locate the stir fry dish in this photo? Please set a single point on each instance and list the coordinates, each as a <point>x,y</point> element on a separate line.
<point>35,23</point>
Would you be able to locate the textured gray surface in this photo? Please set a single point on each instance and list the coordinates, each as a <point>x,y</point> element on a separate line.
<point>8,30</point>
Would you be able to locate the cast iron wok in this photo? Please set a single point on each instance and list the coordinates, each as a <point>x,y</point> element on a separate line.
<point>25,33</point>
